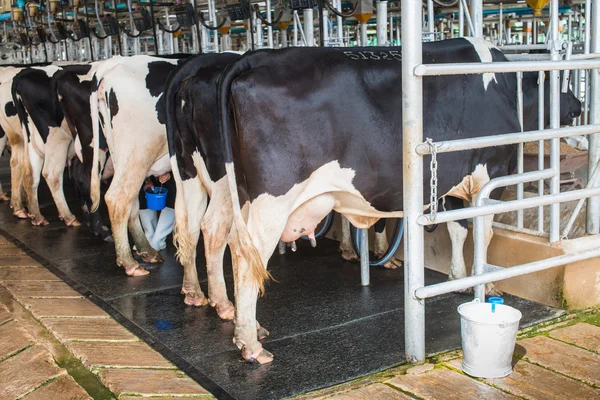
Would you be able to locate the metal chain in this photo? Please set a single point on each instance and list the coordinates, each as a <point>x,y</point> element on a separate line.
<point>433,166</point>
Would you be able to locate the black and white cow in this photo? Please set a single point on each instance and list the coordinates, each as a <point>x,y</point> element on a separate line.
<point>46,135</point>
<point>314,129</point>
<point>11,126</point>
<point>192,131</point>
<point>11,133</point>
<point>72,92</point>
<point>126,102</point>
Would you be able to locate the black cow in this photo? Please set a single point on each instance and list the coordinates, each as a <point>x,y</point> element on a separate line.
<point>309,130</point>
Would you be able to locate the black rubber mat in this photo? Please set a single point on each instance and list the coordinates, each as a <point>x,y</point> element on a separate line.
<point>325,328</point>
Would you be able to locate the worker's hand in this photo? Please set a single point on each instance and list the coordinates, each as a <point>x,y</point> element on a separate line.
<point>164,178</point>
<point>148,185</point>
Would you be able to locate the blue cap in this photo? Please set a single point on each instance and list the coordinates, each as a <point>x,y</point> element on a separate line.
<point>494,301</point>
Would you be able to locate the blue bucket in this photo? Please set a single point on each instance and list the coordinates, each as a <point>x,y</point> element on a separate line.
<point>156,199</point>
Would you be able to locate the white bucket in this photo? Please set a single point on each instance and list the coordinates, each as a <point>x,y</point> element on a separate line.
<point>488,338</point>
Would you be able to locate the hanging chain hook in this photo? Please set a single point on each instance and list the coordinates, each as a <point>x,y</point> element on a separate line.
<point>433,166</point>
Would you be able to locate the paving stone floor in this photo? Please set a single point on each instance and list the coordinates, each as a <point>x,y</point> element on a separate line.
<point>57,345</point>
<point>557,360</point>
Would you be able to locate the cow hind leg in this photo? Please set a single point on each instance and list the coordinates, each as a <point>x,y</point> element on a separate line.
<point>17,172</point>
<point>246,334</point>
<point>269,220</point>
<point>3,195</point>
<point>458,235</point>
<point>56,150</point>
<point>190,205</point>
<point>215,228</point>
<point>119,203</point>
<point>381,244</point>
<point>346,242</point>
<point>458,231</point>
<point>37,163</point>
<point>145,249</point>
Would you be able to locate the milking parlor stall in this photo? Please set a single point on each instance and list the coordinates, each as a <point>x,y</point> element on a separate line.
<point>356,199</point>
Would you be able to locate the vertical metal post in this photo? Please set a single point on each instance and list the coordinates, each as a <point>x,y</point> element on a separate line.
<point>477,17</point>
<point>269,27</point>
<point>364,257</point>
<point>593,204</point>
<point>554,124</point>
<point>260,40</point>
<point>479,254</point>
<point>309,27</point>
<point>412,135</point>
<point>391,27</point>
<point>125,45</point>
<point>541,125</point>
<point>381,23</point>
<point>520,146</point>
<point>108,47</point>
<point>284,38</point>
<point>295,28</point>
<point>430,20</point>
<point>364,38</point>
<point>501,25</point>
<point>588,25</point>
<point>340,23</point>
<point>213,20</point>
<point>324,28</point>
<point>570,27</point>
<point>461,19</point>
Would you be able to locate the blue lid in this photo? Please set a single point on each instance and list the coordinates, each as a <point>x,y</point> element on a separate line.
<point>494,301</point>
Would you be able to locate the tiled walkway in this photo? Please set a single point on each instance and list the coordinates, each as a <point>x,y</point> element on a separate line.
<point>562,362</point>
<point>56,344</point>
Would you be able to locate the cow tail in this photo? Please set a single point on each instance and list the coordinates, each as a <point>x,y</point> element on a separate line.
<point>246,247</point>
<point>186,248</point>
<point>95,177</point>
<point>24,161</point>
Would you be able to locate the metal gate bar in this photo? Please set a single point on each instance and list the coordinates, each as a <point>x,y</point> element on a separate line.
<point>412,107</point>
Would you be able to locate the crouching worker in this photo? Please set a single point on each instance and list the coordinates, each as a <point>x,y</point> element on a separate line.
<point>158,224</point>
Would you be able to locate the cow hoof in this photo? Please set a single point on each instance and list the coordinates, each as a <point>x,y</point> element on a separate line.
<point>260,357</point>
<point>226,311</point>
<point>261,333</point>
<point>39,221</point>
<point>21,214</point>
<point>349,255</point>
<point>136,271</point>
<point>194,299</point>
<point>4,196</point>
<point>493,291</point>
<point>152,258</point>
<point>72,222</point>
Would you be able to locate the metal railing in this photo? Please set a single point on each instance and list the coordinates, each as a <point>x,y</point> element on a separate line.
<point>414,148</point>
